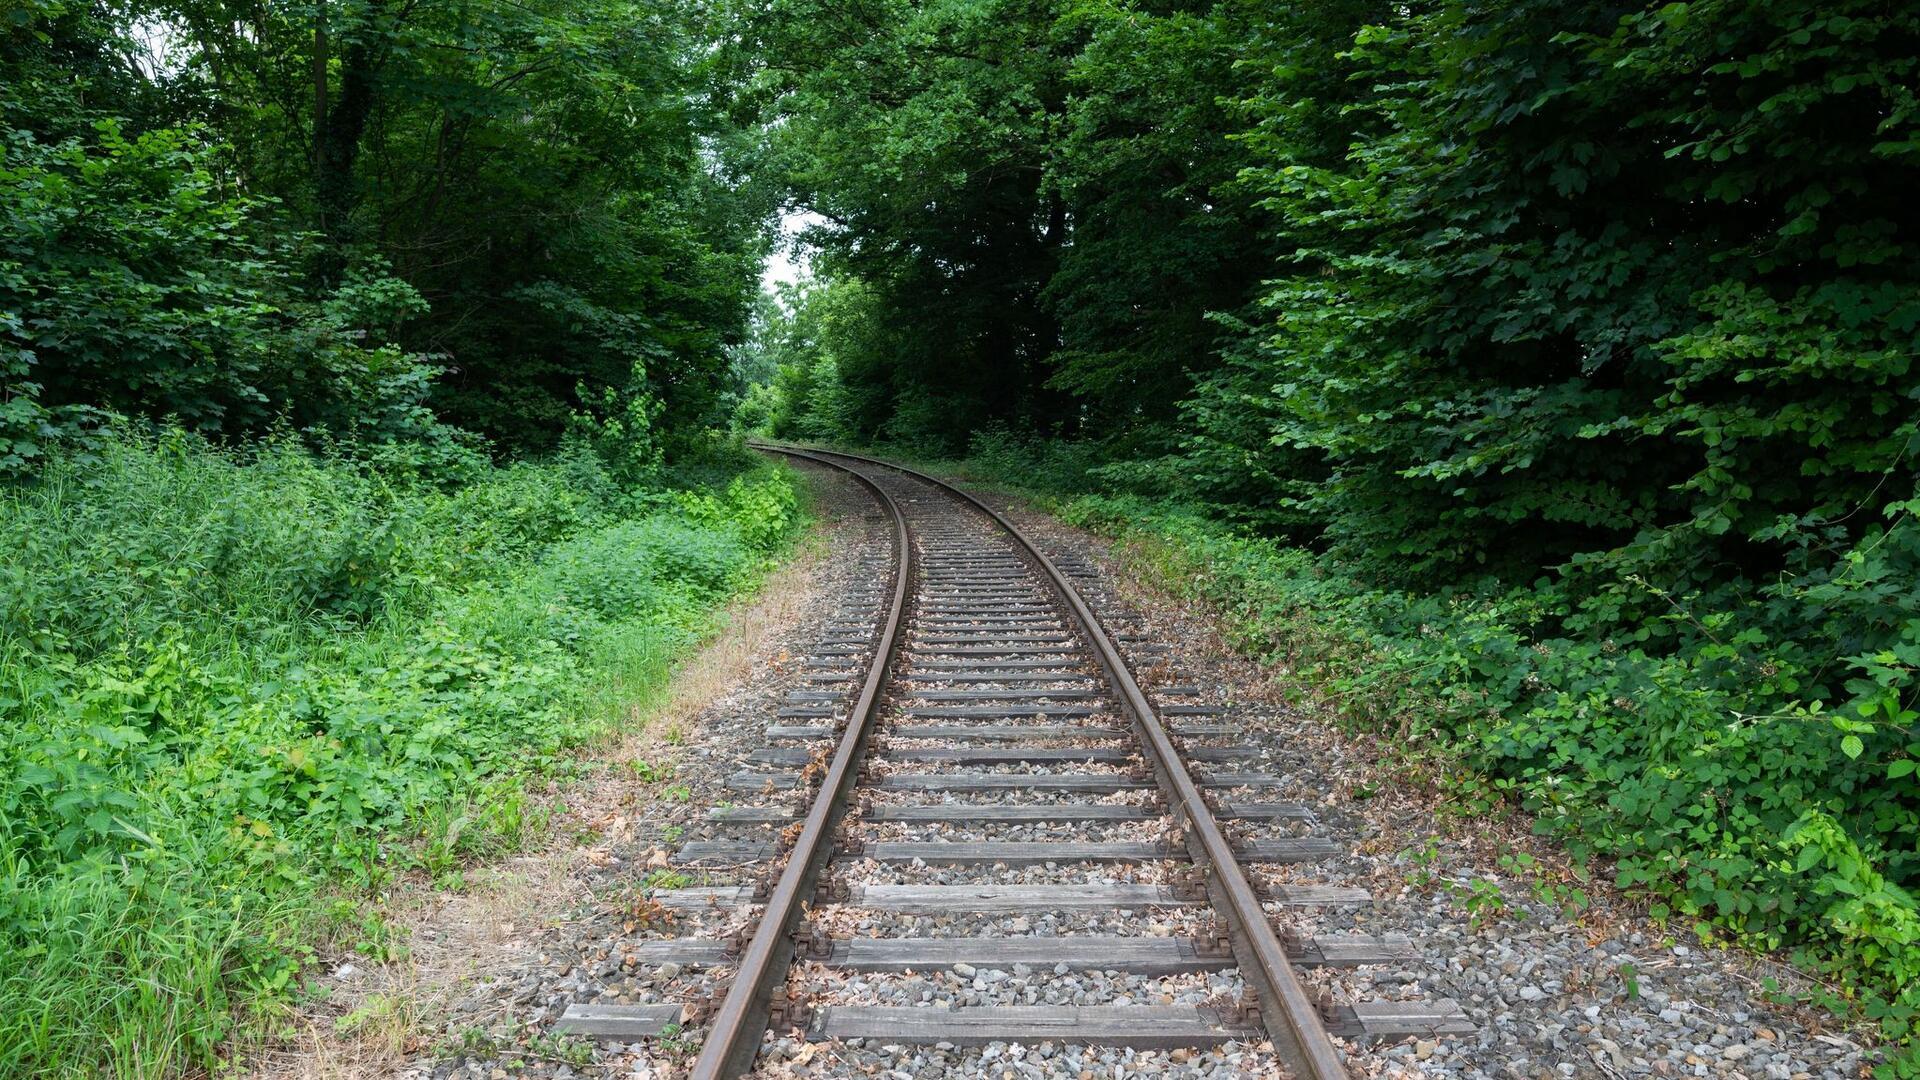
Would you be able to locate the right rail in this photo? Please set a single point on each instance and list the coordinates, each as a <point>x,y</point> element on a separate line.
<point>1290,1014</point>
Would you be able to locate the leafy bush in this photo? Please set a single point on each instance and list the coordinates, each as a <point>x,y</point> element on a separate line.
<point>1733,781</point>
<point>1585,283</point>
<point>1046,464</point>
<point>136,277</point>
<point>228,677</point>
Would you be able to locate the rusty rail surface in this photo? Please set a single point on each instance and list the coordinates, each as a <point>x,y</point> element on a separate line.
<point>741,1021</point>
<point>1285,1006</point>
<point>1287,1011</point>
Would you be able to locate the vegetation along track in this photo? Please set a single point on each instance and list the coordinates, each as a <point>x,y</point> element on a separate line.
<point>970,713</point>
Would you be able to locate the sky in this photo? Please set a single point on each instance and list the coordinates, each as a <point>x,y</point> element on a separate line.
<point>788,262</point>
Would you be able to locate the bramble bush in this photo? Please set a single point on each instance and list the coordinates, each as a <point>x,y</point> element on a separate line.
<point>228,677</point>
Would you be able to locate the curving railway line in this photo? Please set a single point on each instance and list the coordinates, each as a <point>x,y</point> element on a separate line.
<point>972,752</point>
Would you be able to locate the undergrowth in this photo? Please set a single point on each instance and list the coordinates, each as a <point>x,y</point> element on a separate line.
<point>233,685</point>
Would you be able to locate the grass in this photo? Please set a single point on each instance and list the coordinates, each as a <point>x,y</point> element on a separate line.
<point>235,687</point>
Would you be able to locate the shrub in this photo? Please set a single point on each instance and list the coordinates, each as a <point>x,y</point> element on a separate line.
<point>228,678</point>
<point>1730,781</point>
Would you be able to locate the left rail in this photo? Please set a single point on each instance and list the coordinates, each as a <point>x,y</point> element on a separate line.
<point>741,1020</point>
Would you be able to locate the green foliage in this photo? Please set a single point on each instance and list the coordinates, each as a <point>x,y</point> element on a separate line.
<point>1045,207</point>
<point>1717,781</point>
<point>1045,464</point>
<point>298,214</point>
<point>1554,362</point>
<point>812,344</point>
<point>595,264</point>
<point>135,279</point>
<point>1595,336</point>
<point>921,130</point>
<point>1160,233</point>
<point>227,678</point>
<point>1619,313</point>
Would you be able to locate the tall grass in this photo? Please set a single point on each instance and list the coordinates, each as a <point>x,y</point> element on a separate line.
<point>227,678</point>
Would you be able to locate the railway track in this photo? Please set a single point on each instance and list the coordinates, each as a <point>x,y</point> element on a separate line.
<point>971,754</point>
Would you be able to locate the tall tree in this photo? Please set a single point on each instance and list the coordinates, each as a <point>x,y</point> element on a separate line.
<point>920,131</point>
<point>1161,234</point>
<point>538,172</point>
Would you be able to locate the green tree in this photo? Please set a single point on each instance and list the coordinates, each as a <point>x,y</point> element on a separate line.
<point>547,177</point>
<point>920,131</point>
<point>1585,288</point>
<point>1160,233</point>
<point>138,275</point>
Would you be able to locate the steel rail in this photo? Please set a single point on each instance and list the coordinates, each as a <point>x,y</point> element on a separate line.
<point>738,1025</point>
<point>1284,1004</point>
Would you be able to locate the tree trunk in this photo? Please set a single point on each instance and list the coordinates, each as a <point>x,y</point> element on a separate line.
<point>320,46</point>
<point>338,126</point>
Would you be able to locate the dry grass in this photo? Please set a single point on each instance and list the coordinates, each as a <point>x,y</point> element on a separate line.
<point>387,1020</point>
<point>372,1021</point>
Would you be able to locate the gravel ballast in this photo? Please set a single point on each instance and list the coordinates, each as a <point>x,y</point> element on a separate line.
<point>1603,994</point>
<point>1606,994</point>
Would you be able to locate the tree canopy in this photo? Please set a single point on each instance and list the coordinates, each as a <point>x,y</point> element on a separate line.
<point>338,211</point>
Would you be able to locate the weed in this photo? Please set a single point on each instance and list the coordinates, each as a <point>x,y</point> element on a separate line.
<point>1482,899</point>
<point>665,879</point>
<point>1424,859</point>
<point>647,772</point>
<point>363,929</point>
<point>441,848</point>
<point>470,1041</point>
<point>1568,897</point>
<point>230,678</point>
<point>566,1049</point>
<point>1629,980</point>
<point>673,1045</point>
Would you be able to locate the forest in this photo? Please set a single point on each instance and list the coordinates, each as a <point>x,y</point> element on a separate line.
<point>1534,382</point>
